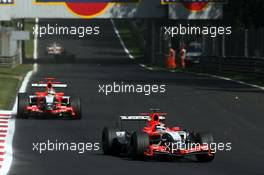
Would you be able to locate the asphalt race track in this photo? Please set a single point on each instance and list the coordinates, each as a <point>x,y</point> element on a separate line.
<point>192,101</point>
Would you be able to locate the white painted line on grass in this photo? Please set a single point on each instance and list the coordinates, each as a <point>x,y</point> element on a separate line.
<point>35,67</point>
<point>35,52</point>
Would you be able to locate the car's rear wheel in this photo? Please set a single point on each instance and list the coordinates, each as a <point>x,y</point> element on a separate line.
<point>23,102</point>
<point>108,137</point>
<point>76,105</point>
<point>204,138</point>
<point>138,145</point>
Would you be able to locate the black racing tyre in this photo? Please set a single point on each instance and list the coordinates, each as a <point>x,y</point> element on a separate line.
<point>108,138</point>
<point>138,145</point>
<point>75,102</point>
<point>23,102</point>
<point>204,138</point>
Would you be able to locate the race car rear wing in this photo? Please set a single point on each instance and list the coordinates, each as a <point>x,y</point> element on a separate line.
<point>135,122</point>
<point>142,117</point>
<point>45,85</point>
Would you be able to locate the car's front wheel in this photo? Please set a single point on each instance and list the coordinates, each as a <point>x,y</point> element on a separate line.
<point>138,145</point>
<point>205,138</point>
<point>23,101</point>
<point>76,105</point>
<point>108,138</point>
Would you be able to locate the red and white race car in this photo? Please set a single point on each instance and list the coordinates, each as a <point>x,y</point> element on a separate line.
<point>48,102</point>
<point>155,140</point>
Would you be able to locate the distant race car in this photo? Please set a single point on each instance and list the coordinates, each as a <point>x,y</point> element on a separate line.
<point>155,140</point>
<point>48,102</point>
<point>55,48</point>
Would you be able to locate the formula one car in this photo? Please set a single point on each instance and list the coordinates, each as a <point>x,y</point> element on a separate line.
<point>155,140</point>
<point>48,102</point>
<point>55,48</point>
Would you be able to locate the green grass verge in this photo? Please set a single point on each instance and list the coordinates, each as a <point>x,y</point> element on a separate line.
<point>29,43</point>
<point>129,38</point>
<point>10,81</point>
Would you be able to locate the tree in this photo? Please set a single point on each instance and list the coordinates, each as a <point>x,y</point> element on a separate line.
<point>245,13</point>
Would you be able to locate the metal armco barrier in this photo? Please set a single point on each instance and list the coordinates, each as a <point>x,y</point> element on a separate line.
<point>241,65</point>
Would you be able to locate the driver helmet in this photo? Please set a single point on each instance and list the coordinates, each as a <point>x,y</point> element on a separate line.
<point>51,92</point>
<point>160,127</point>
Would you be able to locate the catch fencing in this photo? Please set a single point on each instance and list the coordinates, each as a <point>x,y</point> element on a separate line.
<point>241,43</point>
<point>242,52</point>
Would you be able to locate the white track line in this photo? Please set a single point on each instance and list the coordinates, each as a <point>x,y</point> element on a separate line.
<point>35,67</point>
<point>146,67</point>
<point>121,40</point>
<point>125,48</point>
<point>232,80</point>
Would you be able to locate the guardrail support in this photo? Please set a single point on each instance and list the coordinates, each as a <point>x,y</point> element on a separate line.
<point>246,43</point>
<point>151,42</point>
<point>223,46</point>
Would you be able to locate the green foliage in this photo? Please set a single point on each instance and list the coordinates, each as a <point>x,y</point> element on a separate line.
<point>245,13</point>
<point>10,80</point>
